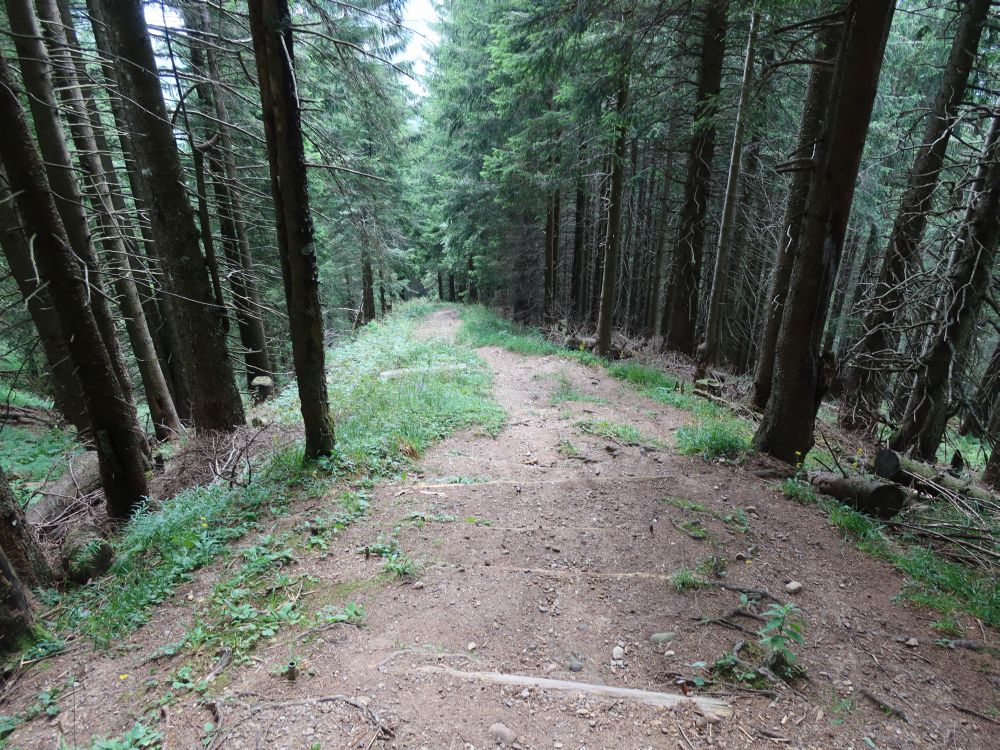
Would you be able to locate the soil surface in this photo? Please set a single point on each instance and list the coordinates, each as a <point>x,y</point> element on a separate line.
<point>557,566</point>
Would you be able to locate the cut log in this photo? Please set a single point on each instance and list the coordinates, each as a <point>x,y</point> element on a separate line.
<point>925,478</point>
<point>81,478</point>
<point>86,553</point>
<point>880,499</point>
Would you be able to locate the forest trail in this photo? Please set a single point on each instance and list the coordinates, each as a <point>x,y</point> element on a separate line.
<point>542,565</point>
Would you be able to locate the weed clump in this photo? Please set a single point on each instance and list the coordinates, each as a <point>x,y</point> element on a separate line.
<point>714,438</point>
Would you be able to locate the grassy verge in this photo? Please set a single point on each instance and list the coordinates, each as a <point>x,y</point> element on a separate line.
<point>382,424</point>
<point>936,583</point>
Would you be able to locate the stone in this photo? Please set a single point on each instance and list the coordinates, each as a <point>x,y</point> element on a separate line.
<point>913,643</point>
<point>665,637</point>
<point>793,587</point>
<point>618,653</point>
<point>503,733</point>
<point>472,646</point>
<point>574,664</point>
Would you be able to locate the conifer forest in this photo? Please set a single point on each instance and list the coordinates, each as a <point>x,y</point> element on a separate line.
<point>433,374</point>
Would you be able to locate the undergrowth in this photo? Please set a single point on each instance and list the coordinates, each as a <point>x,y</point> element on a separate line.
<point>382,424</point>
<point>714,437</point>
<point>32,456</point>
<point>935,582</point>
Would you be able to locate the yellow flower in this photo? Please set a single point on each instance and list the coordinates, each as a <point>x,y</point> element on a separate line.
<point>123,677</point>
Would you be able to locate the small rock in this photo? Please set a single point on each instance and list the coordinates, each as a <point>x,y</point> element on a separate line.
<point>668,653</point>
<point>472,646</point>
<point>574,664</point>
<point>751,509</point>
<point>618,653</point>
<point>913,643</point>
<point>793,587</point>
<point>525,694</point>
<point>503,733</point>
<point>418,585</point>
<point>657,638</point>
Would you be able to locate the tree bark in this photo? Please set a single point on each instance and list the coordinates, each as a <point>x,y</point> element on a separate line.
<point>36,74</point>
<point>866,386</point>
<point>367,288</point>
<point>843,280</point>
<point>786,429</point>
<point>18,540</point>
<point>978,411</point>
<point>121,446</point>
<point>215,399</point>
<point>67,395</point>
<point>720,277</point>
<point>609,282</point>
<point>813,114</point>
<point>681,307</point>
<point>16,619</point>
<point>271,28</point>
<point>166,339</point>
<point>166,422</point>
<point>965,289</point>
<point>579,250</point>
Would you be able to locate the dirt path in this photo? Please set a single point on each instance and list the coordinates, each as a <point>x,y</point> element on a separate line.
<point>545,566</point>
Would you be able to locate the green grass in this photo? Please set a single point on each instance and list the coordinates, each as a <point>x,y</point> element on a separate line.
<point>712,438</point>
<point>973,450</point>
<point>935,583</point>
<point>688,580</point>
<point>381,426</point>
<point>482,327</point>
<point>32,456</point>
<point>383,423</point>
<point>799,490</point>
<point>622,433</point>
<point>565,391</point>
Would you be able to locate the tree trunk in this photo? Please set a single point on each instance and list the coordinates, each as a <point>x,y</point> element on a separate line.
<point>813,113</point>
<point>680,311</point>
<point>720,277</point>
<point>367,288</point>
<point>162,326</point>
<point>18,541</point>
<point>121,446</point>
<point>848,331</point>
<point>451,288</point>
<point>843,280</point>
<point>992,473</point>
<point>161,406</point>
<point>440,285</point>
<point>232,224</point>
<point>866,387</point>
<point>978,412</point>
<point>786,429</point>
<point>215,399</point>
<point>965,289</point>
<point>472,290</point>
<point>67,395</point>
<point>660,239</point>
<point>609,282</point>
<point>36,74</point>
<point>271,27</point>
<point>579,250</point>
<point>16,619</point>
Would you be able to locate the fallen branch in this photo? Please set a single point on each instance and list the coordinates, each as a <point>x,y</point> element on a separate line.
<point>885,706</point>
<point>709,706</point>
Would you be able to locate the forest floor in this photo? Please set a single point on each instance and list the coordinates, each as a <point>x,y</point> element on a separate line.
<point>555,548</point>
